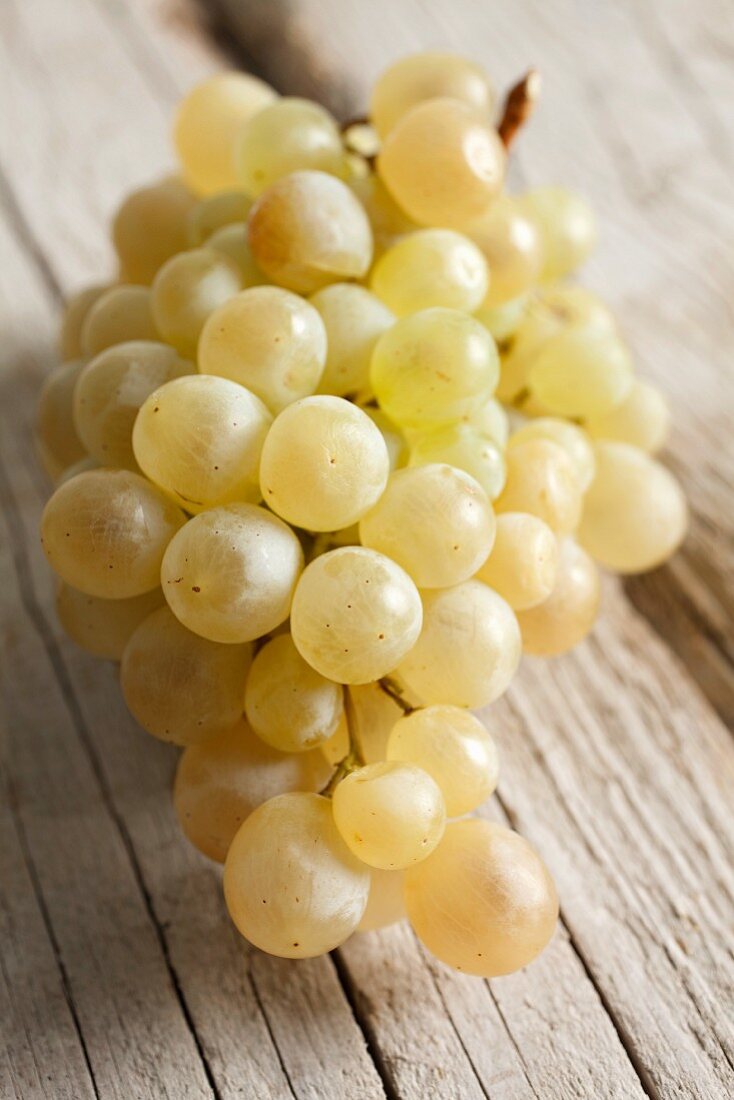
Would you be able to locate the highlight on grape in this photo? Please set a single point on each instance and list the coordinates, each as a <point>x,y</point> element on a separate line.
<point>340,442</point>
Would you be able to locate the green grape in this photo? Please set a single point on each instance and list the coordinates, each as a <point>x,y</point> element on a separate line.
<point>324,464</point>
<point>220,210</point>
<point>567,227</point>
<point>150,226</point>
<point>390,814</point>
<point>355,615</point>
<point>635,515</point>
<point>454,748</point>
<point>565,304</point>
<point>200,438</point>
<point>111,389</point>
<point>105,532</point>
<point>434,367</point>
<point>287,135</point>
<point>287,703</point>
<point>103,627</point>
<point>574,441</point>
<point>385,904</point>
<point>208,122</point>
<point>443,163</point>
<point>502,322</point>
<point>422,76</point>
<point>491,419</point>
<point>431,267</point>
<point>642,419</point>
<point>187,290</point>
<point>221,781</point>
<point>231,240</point>
<point>59,445</point>
<point>120,314</point>
<point>181,687</point>
<point>387,220</point>
<point>567,615</point>
<point>581,373</point>
<point>308,230</point>
<point>484,901</point>
<point>229,574</point>
<point>523,563</point>
<point>72,322</point>
<point>354,319</point>
<point>291,885</point>
<point>394,438</point>
<point>511,246</point>
<point>468,650</point>
<point>542,480</point>
<point>268,340</point>
<point>466,447</point>
<point>435,521</point>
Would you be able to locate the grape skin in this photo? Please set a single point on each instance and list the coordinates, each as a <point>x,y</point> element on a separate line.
<point>642,419</point>
<point>219,211</point>
<point>229,574</point>
<point>523,563</point>
<point>187,290</point>
<point>581,373</point>
<point>422,76</point>
<point>432,267</point>
<point>287,135</point>
<point>385,903</point>
<point>75,312</point>
<point>103,627</point>
<point>467,447</point>
<point>567,615</point>
<point>119,314</point>
<point>511,246</point>
<point>541,479</point>
<point>354,319</point>
<point>150,226</point>
<point>58,441</point>
<point>574,441</point>
<point>567,227</point>
<point>291,885</point>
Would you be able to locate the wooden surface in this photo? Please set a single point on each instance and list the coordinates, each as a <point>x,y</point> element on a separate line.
<point>120,974</point>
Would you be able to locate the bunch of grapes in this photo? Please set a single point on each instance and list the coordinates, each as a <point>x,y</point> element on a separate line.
<point>339,444</point>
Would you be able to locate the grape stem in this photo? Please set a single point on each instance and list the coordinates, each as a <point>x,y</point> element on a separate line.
<point>395,692</point>
<point>519,106</point>
<point>354,758</point>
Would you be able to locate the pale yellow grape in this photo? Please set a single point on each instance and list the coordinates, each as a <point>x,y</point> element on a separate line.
<point>72,322</point>
<point>466,447</point>
<point>567,615</point>
<point>208,122</point>
<point>431,267</point>
<point>103,627</point>
<point>287,135</point>
<point>308,230</point>
<point>422,76</point>
<point>287,703</point>
<point>217,212</point>
<point>484,901</point>
<point>355,615</point>
<point>523,563</point>
<point>542,480</point>
<point>150,226</point>
<point>80,467</point>
<point>390,814</point>
<point>221,781</point>
<point>454,748</point>
<point>269,340</point>
<point>443,163</point>
<point>394,438</point>
<point>435,521</point>
<point>180,687</point>
<point>635,514</point>
<point>110,391</point>
<point>187,290</point>
<point>375,715</point>
<point>570,437</point>
<point>468,650</point>
<point>200,439</point>
<point>564,304</point>
<point>58,441</point>
<point>491,419</point>
<point>324,464</point>
<point>385,904</point>
<point>502,322</point>
<point>105,532</point>
<point>232,241</point>
<point>229,574</point>
<point>580,373</point>
<point>122,313</point>
<point>567,226</point>
<point>511,246</point>
<point>641,419</point>
<point>291,885</point>
<point>354,320</point>
<point>388,221</point>
<point>434,367</point>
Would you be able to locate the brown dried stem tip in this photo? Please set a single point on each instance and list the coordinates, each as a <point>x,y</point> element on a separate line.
<point>519,106</point>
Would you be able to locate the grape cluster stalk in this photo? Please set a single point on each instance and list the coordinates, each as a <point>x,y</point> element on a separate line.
<point>337,445</point>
